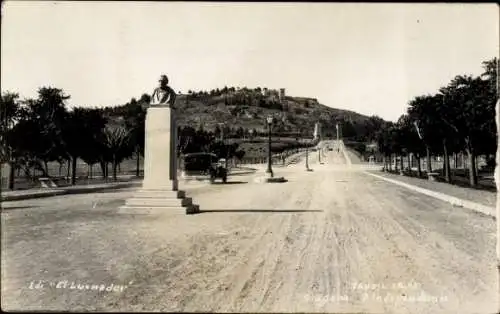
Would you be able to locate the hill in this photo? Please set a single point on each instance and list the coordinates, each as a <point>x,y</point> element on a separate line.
<point>248,108</point>
<point>239,116</point>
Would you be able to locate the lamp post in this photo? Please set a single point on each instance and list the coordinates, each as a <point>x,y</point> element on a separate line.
<point>269,157</point>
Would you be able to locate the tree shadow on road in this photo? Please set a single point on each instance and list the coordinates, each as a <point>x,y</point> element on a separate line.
<point>111,191</point>
<point>278,211</point>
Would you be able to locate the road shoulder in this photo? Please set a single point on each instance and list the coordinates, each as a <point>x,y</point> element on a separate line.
<point>481,201</point>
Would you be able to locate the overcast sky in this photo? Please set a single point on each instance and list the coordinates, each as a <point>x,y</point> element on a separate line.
<point>369,58</point>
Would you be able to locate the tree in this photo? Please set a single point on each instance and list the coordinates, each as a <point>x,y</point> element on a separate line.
<point>383,138</point>
<point>372,125</point>
<point>81,137</point>
<point>145,99</point>
<point>74,138</point>
<point>50,112</point>
<point>41,129</point>
<point>410,141</point>
<point>423,113</point>
<point>117,141</point>
<point>10,112</point>
<point>474,116</point>
<point>135,123</point>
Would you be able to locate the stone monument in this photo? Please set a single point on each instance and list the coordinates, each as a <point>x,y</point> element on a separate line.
<point>159,192</point>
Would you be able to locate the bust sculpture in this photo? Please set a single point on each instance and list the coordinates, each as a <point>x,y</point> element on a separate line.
<point>163,95</point>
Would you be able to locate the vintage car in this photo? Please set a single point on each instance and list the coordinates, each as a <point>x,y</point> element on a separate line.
<point>202,166</point>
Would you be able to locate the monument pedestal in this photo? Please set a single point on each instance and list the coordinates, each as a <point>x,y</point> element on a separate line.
<point>159,192</point>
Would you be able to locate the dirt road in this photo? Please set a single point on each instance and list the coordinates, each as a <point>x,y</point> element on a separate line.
<point>331,240</point>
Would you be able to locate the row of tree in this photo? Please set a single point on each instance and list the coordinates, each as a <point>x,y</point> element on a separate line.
<point>35,132</point>
<point>459,118</point>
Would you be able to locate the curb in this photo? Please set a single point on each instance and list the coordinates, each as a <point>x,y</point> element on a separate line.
<point>490,211</point>
<point>82,190</point>
<point>8,198</point>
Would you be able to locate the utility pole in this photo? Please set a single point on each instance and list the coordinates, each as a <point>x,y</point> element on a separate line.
<point>338,137</point>
<point>307,157</point>
<point>269,170</point>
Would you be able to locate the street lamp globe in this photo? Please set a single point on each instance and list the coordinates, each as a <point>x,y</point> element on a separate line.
<point>269,119</point>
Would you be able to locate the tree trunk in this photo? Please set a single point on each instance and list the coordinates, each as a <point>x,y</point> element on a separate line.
<point>33,171</point>
<point>68,169</point>
<point>115,166</point>
<point>103,169</point>
<point>60,169</point>
<point>138,164</point>
<point>446,164</point>
<point>410,155</point>
<point>384,164</point>
<point>73,170</point>
<point>419,167</point>
<point>401,165</point>
<point>472,164</point>
<point>11,175</point>
<point>46,168</point>
<point>429,166</point>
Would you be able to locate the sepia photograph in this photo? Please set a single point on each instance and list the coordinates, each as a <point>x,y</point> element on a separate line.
<point>249,157</point>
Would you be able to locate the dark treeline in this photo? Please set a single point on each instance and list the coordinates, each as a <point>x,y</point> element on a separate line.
<point>37,131</point>
<point>459,118</point>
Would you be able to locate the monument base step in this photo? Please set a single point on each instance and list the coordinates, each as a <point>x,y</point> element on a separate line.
<point>159,201</point>
<point>159,193</point>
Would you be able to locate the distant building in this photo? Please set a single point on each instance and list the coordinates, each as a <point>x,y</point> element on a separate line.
<point>282,94</point>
